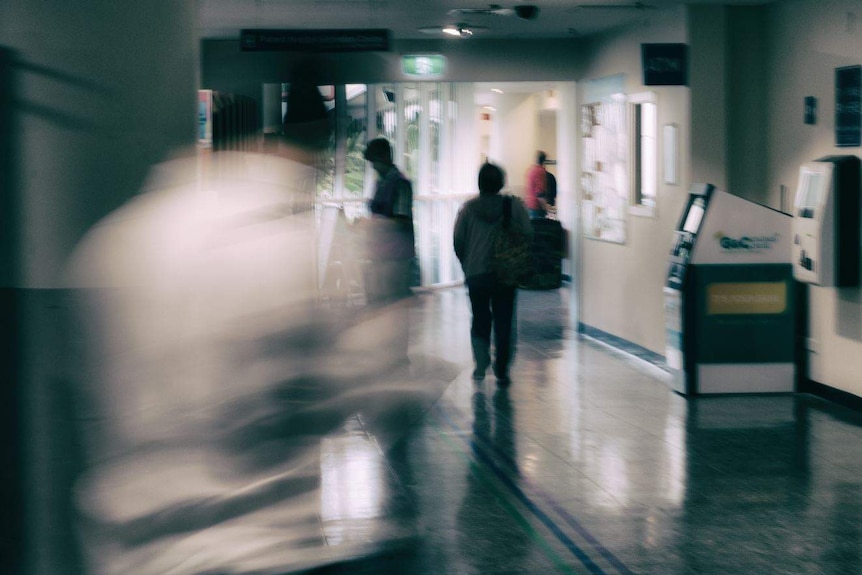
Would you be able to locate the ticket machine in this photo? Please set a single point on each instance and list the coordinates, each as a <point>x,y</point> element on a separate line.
<point>729,297</point>
<point>826,218</point>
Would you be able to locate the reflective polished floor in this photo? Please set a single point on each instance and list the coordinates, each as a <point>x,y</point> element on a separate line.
<point>588,463</point>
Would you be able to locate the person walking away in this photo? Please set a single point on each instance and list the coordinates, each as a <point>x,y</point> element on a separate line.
<point>537,185</point>
<point>492,301</point>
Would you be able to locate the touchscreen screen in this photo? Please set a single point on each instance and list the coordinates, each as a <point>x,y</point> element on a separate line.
<point>692,220</point>
<point>809,196</point>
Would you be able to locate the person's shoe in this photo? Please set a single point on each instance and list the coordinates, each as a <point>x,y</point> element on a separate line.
<point>503,379</point>
<point>481,357</point>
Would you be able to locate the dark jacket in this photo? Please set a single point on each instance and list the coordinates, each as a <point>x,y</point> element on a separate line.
<point>392,213</point>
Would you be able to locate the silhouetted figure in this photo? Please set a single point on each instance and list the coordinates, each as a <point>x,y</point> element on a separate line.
<point>492,302</point>
<point>390,247</point>
<point>550,196</point>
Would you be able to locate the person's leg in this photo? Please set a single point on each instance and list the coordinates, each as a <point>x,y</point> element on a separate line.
<point>479,291</point>
<point>388,296</point>
<point>398,298</point>
<point>503,306</point>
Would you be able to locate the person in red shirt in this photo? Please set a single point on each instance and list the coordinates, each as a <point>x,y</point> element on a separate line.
<point>537,185</point>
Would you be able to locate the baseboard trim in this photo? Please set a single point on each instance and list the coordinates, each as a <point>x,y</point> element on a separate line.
<point>624,345</point>
<point>842,398</point>
<point>836,396</point>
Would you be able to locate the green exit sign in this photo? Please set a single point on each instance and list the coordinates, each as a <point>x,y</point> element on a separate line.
<point>424,66</point>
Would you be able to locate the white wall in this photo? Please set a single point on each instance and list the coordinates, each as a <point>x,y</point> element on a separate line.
<point>103,94</point>
<point>747,149</point>
<point>547,138</point>
<point>621,285</point>
<point>514,143</point>
<point>708,77</point>
<point>807,40</point>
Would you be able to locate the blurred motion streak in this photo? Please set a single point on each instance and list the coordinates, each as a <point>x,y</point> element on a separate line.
<point>213,369</point>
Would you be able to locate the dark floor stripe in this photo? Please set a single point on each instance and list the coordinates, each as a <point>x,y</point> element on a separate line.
<point>516,515</point>
<point>526,501</point>
<point>558,509</point>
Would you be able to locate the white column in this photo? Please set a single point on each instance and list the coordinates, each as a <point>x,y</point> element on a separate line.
<point>568,187</point>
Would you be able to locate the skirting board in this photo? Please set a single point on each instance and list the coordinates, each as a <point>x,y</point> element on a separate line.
<point>624,345</point>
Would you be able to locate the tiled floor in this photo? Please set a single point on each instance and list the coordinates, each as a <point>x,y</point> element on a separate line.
<point>588,463</point>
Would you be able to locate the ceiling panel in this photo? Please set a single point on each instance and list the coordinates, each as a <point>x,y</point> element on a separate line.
<point>556,18</point>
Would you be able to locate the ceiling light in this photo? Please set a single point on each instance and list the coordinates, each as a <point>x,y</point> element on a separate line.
<point>497,90</point>
<point>489,108</point>
<point>459,30</point>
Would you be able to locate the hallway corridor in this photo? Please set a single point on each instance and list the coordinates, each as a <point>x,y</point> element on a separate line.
<point>589,464</point>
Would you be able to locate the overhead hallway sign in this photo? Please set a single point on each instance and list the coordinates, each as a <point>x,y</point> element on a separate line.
<point>424,65</point>
<point>357,40</point>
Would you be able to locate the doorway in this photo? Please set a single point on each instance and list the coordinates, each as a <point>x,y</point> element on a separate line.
<point>441,133</point>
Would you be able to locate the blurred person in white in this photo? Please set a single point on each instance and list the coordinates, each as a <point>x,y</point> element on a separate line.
<point>211,373</point>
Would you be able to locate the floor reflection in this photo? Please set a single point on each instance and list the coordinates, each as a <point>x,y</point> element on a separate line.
<point>489,534</point>
<point>587,463</point>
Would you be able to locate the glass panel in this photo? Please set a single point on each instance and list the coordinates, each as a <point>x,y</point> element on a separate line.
<point>645,175</point>
<point>422,222</point>
<point>435,119</point>
<point>357,137</point>
<point>387,118</point>
<point>412,118</point>
<point>649,143</point>
<point>420,120</point>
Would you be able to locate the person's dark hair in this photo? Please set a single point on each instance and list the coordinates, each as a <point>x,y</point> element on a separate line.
<point>307,122</point>
<point>491,179</point>
<point>378,150</point>
<point>541,157</point>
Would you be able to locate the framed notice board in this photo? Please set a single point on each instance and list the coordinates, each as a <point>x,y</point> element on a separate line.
<point>848,106</point>
<point>604,169</point>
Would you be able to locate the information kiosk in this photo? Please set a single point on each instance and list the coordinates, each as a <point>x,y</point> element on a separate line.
<point>729,297</point>
<point>826,218</point>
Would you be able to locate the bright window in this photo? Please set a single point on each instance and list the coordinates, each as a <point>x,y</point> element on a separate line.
<point>644,122</point>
